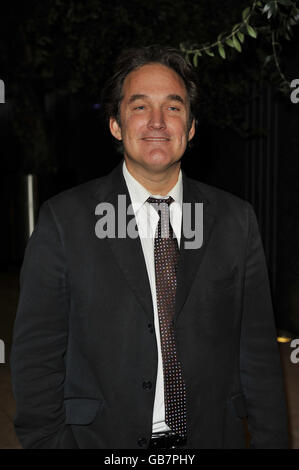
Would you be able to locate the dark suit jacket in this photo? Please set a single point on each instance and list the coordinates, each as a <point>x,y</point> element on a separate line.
<point>84,354</point>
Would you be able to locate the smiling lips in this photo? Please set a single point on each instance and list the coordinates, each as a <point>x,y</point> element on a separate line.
<point>155,139</point>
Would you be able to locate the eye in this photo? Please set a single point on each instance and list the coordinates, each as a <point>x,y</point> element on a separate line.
<point>173,108</point>
<point>139,107</point>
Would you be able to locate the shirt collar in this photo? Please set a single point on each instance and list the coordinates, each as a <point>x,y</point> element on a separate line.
<point>139,194</point>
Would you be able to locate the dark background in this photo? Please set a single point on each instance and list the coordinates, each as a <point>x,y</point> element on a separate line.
<point>55,57</point>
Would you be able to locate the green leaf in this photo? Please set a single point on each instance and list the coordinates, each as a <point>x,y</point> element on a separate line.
<point>221,51</point>
<point>266,8</point>
<point>236,27</point>
<point>230,43</point>
<point>271,8</point>
<point>243,29</point>
<point>237,45</point>
<point>252,32</point>
<point>209,52</point>
<point>240,36</point>
<point>245,13</point>
<point>259,4</point>
<point>268,59</point>
<point>195,60</point>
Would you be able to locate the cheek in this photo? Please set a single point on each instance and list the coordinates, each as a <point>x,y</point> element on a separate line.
<point>181,132</point>
<point>178,126</point>
<point>133,126</point>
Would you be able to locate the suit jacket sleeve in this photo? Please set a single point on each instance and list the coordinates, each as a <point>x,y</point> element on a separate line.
<point>260,366</point>
<point>40,340</point>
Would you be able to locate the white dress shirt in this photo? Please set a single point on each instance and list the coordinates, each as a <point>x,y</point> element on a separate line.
<point>147,220</point>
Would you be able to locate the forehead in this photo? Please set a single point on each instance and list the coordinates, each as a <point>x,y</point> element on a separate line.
<point>153,80</point>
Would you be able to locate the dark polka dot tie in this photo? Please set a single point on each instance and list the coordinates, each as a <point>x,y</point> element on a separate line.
<point>166,261</point>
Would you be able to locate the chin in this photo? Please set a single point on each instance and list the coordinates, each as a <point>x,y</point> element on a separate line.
<point>159,162</point>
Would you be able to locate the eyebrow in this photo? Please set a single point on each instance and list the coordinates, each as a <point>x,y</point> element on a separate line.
<point>171,97</point>
<point>176,98</point>
<point>137,97</point>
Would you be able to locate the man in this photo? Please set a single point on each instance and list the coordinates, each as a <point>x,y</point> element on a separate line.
<point>155,340</point>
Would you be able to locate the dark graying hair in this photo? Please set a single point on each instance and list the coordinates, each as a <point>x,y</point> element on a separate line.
<point>133,59</point>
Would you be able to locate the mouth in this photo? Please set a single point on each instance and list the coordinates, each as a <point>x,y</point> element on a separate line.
<point>155,139</point>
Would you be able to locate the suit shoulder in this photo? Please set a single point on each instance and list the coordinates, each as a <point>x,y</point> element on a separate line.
<point>77,195</point>
<point>75,205</point>
<point>220,197</point>
<point>225,206</point>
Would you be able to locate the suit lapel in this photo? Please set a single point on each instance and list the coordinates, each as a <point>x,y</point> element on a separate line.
<point>191,259</point>
<point>127,251</point>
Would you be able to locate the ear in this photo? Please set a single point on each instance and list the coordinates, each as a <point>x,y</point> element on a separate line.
<point>115,128</point>
<point>191,131</point>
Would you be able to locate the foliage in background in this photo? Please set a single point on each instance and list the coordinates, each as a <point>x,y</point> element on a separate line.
<point>281,17</point>
<point>68,47</point>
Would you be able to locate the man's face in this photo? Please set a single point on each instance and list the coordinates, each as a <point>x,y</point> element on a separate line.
<point>154,118</point>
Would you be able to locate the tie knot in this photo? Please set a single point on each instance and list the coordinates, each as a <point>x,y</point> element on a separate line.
<point>157,201</point>
<point>161,206</point>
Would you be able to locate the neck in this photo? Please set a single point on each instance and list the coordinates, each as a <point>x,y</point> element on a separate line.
<point>155,182</point>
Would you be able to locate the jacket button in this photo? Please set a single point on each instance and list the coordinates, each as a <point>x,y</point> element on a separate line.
<point>142,442</point>
<point>147,385</point>
<point>150,328</point>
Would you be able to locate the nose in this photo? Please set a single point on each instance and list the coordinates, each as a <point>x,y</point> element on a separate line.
<point>156,120</point>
